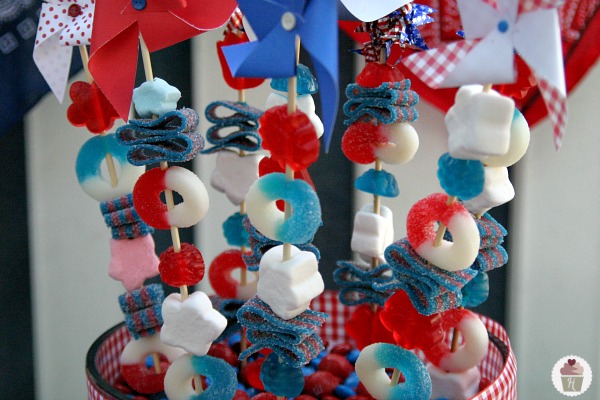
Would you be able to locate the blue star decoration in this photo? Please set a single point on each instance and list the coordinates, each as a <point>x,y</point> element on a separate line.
<point>276,24</point>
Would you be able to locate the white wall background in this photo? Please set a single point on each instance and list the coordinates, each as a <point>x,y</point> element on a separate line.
<point>554,301</point>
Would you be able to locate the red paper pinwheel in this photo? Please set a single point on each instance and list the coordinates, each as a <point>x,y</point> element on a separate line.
<point>118,24</point>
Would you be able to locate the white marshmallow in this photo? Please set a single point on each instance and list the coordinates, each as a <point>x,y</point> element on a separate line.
<point>289,286</point>
<point>372,232</point>
<point>402,144</point>
<point>234,174</point>
<point>455,386</point>
<point>479,123</point>
<point>519,142</point>
<point>305,103</point>
<point>497,190</point>
<point>192,324</point>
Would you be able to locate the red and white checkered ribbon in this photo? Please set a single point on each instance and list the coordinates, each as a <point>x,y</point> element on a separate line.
<point>235,22</point>
<point>435,66</point>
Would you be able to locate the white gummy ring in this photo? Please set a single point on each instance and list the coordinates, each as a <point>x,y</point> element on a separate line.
<point>402,144</point>
<point>458,254</point>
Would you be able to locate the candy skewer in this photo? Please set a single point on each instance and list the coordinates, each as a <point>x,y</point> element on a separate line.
<point>442,228</point>
<point>110,163</point>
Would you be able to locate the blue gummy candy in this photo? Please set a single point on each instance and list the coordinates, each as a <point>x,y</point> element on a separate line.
<point>224,380</point>
<point>93,152</point>
<point>461,178</point>
<point>380,183</point>
<point>353,356</point>
<point>307,84</point>
<point>280,378</point>
<point>234,232</point>
<point>476,291</point>
<point>343,391</point>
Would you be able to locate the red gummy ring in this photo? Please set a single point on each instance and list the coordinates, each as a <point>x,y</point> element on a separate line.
<point>221,279</point>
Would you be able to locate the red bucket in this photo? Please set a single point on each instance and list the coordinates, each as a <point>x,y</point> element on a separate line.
<point>499,366</point>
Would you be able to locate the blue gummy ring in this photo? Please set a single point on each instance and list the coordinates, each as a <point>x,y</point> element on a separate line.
<point>264,215</point>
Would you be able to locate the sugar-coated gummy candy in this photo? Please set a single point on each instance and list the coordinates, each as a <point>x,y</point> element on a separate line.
<point>401,145</point>
<point>365,327</point>
<point>178,380</point>
<point>222,280</point>
<point>264,215</point>
<point>235,83</point>
<point>90,108</point>
<point>141,298</point>
<point>519,142</point>
<point>89,173</point>
<point>470,352</point>
<point>379,183</point>
<point>461,178</point>
<point>374,74</point>
<point>356,282</point>
<point>241,395</point>
<point>360,142</point>
<point>451,256</point>
<point>150,207</point>
<point>307,83</point>
<point>191,324</point>
<point>133,368</point>
<point>375,358</point>
<point>476,291</point>
<point>155,97</point>
<point>411,329</point>
<point>280,378</point>
<point>185,267</point>
<point>235,125</point>
<point>234,232</point>
<point>291,138</point>
<point>234,174</point>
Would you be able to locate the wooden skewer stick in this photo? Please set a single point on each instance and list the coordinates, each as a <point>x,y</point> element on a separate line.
<point>110,163</point>
<point>395,377</point>
<point>442,228</point>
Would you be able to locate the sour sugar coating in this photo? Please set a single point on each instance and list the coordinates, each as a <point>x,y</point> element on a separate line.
<point>470,352</point>
<point>451,256</point>
<point>179,377</point>
<point>479,123</point>
<point>191,324</point>
<point>234,175</point>
<point>266,217</point>
<point>222,280</point>
<point>89,169</point>
<point>371,365</point>
<point>288,286</point>
<point>133,363</point>
<point>372,232</point>
<point>360,140</point>
<point>183,268</point>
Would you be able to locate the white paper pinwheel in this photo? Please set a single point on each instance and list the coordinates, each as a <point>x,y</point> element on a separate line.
<point>367,10</point>
<point>63,24</point>
<point>494,30</point>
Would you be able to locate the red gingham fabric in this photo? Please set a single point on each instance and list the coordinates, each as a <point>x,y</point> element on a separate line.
<point>499,365</point>
<point>235,22</point>
<point>434,66</point>
<point>556,102</point>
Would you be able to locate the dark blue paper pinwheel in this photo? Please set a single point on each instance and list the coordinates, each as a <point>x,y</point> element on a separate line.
<point>276,24</point>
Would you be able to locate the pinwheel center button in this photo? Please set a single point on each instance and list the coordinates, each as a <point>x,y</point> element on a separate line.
<point>138,4</point>
<point>503,25</point>
<point>288,21</point>
<point>75,10</point>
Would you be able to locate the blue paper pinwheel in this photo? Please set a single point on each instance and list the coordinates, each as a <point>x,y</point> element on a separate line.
<point>276,24</point>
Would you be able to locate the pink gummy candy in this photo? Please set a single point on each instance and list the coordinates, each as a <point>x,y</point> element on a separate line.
<point>291,138</point>
<point>132,261</point>
<point>185,268</point>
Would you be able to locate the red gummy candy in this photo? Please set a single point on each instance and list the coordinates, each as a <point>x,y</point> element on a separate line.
<point>235,83</point>
<point>265,396</point>
<point>240,395</point>
<point>365,327</point>
<point>291,138</point>
<point>251,374</point>
<point>342,349</point>
<point>374,74</point>
<point>143,379</point>
<point>224,352</point>
<point>267,166</point>
<point>90,108</point>
<point>185,268</point>
<point>321,383</point>
<point>411,330</point>
<point>360,140</point>
<point>219,273</point>
<point>337,364</point>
